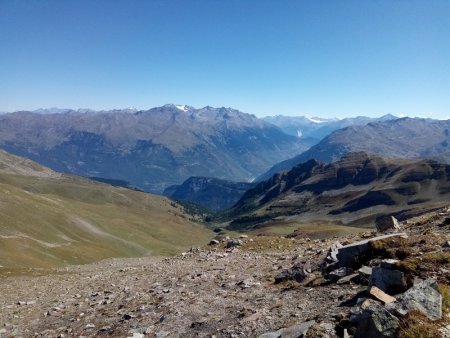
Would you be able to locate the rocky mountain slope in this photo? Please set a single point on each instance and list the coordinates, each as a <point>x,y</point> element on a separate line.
<point>50,219</point>
<point>318,128</point>
<point>261,287</point>
<point>210,193</point>
<point>354,191</point>
<point>150,149</point>
<point>402,138</point>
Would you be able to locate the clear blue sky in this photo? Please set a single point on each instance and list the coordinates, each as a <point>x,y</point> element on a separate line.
<point>317,57</point>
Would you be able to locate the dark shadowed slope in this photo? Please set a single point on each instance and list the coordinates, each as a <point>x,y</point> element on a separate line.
<point>210,193</point>
<point>354,190</point>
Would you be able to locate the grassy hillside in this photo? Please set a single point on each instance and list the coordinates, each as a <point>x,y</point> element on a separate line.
<point>55,220</point>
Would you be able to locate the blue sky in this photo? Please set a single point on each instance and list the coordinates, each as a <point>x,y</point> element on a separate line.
<point>318,57</point>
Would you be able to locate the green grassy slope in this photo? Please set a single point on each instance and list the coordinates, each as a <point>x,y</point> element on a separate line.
<point>52,221</point>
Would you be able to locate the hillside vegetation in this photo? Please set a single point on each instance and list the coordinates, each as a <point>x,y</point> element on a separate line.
<point>48,219</point>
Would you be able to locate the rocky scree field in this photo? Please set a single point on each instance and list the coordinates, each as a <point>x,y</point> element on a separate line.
<point>392,284</point>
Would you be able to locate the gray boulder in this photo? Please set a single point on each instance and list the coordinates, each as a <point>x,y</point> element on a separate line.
<point>389,281</point>
<point>386,223</point>
<point>423,297</point>
<point>353,255</point>
<point>377,322</point>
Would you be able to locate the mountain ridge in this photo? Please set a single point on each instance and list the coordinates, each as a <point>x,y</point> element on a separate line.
<point>150,149</point>
<point>403,138</point>
<point>353,191</point>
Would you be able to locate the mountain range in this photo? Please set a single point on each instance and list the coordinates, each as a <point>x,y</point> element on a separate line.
<point>401,138</point>
<point>149,149</point>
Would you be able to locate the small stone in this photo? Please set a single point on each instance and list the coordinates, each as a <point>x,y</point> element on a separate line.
<point>248,283</point>
<point>339,273</point>
<point>294,331</point>
<point>137,335</point>
<point>298,273</point>
<point>213,242</point>
<point>105,328</point>
<point>366,271</point>
<point>446,244</point>
<point>162,334</point>
<point>90,326</point>
<point>232,243</point>
<point>347,279</point>
<point>380,295</point>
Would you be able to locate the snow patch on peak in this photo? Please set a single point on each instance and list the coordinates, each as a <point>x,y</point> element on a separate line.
<point>182,107</point>
<point>317,119</point>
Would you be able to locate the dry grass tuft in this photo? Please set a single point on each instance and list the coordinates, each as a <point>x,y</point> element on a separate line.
<point>417,325</point>
<point>440,258</point>
<point>444,289</point>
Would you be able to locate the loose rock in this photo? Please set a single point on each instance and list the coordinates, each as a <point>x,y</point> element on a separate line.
<point>385,223</point>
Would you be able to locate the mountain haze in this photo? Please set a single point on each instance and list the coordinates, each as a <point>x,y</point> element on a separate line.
<point>318,128</point>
